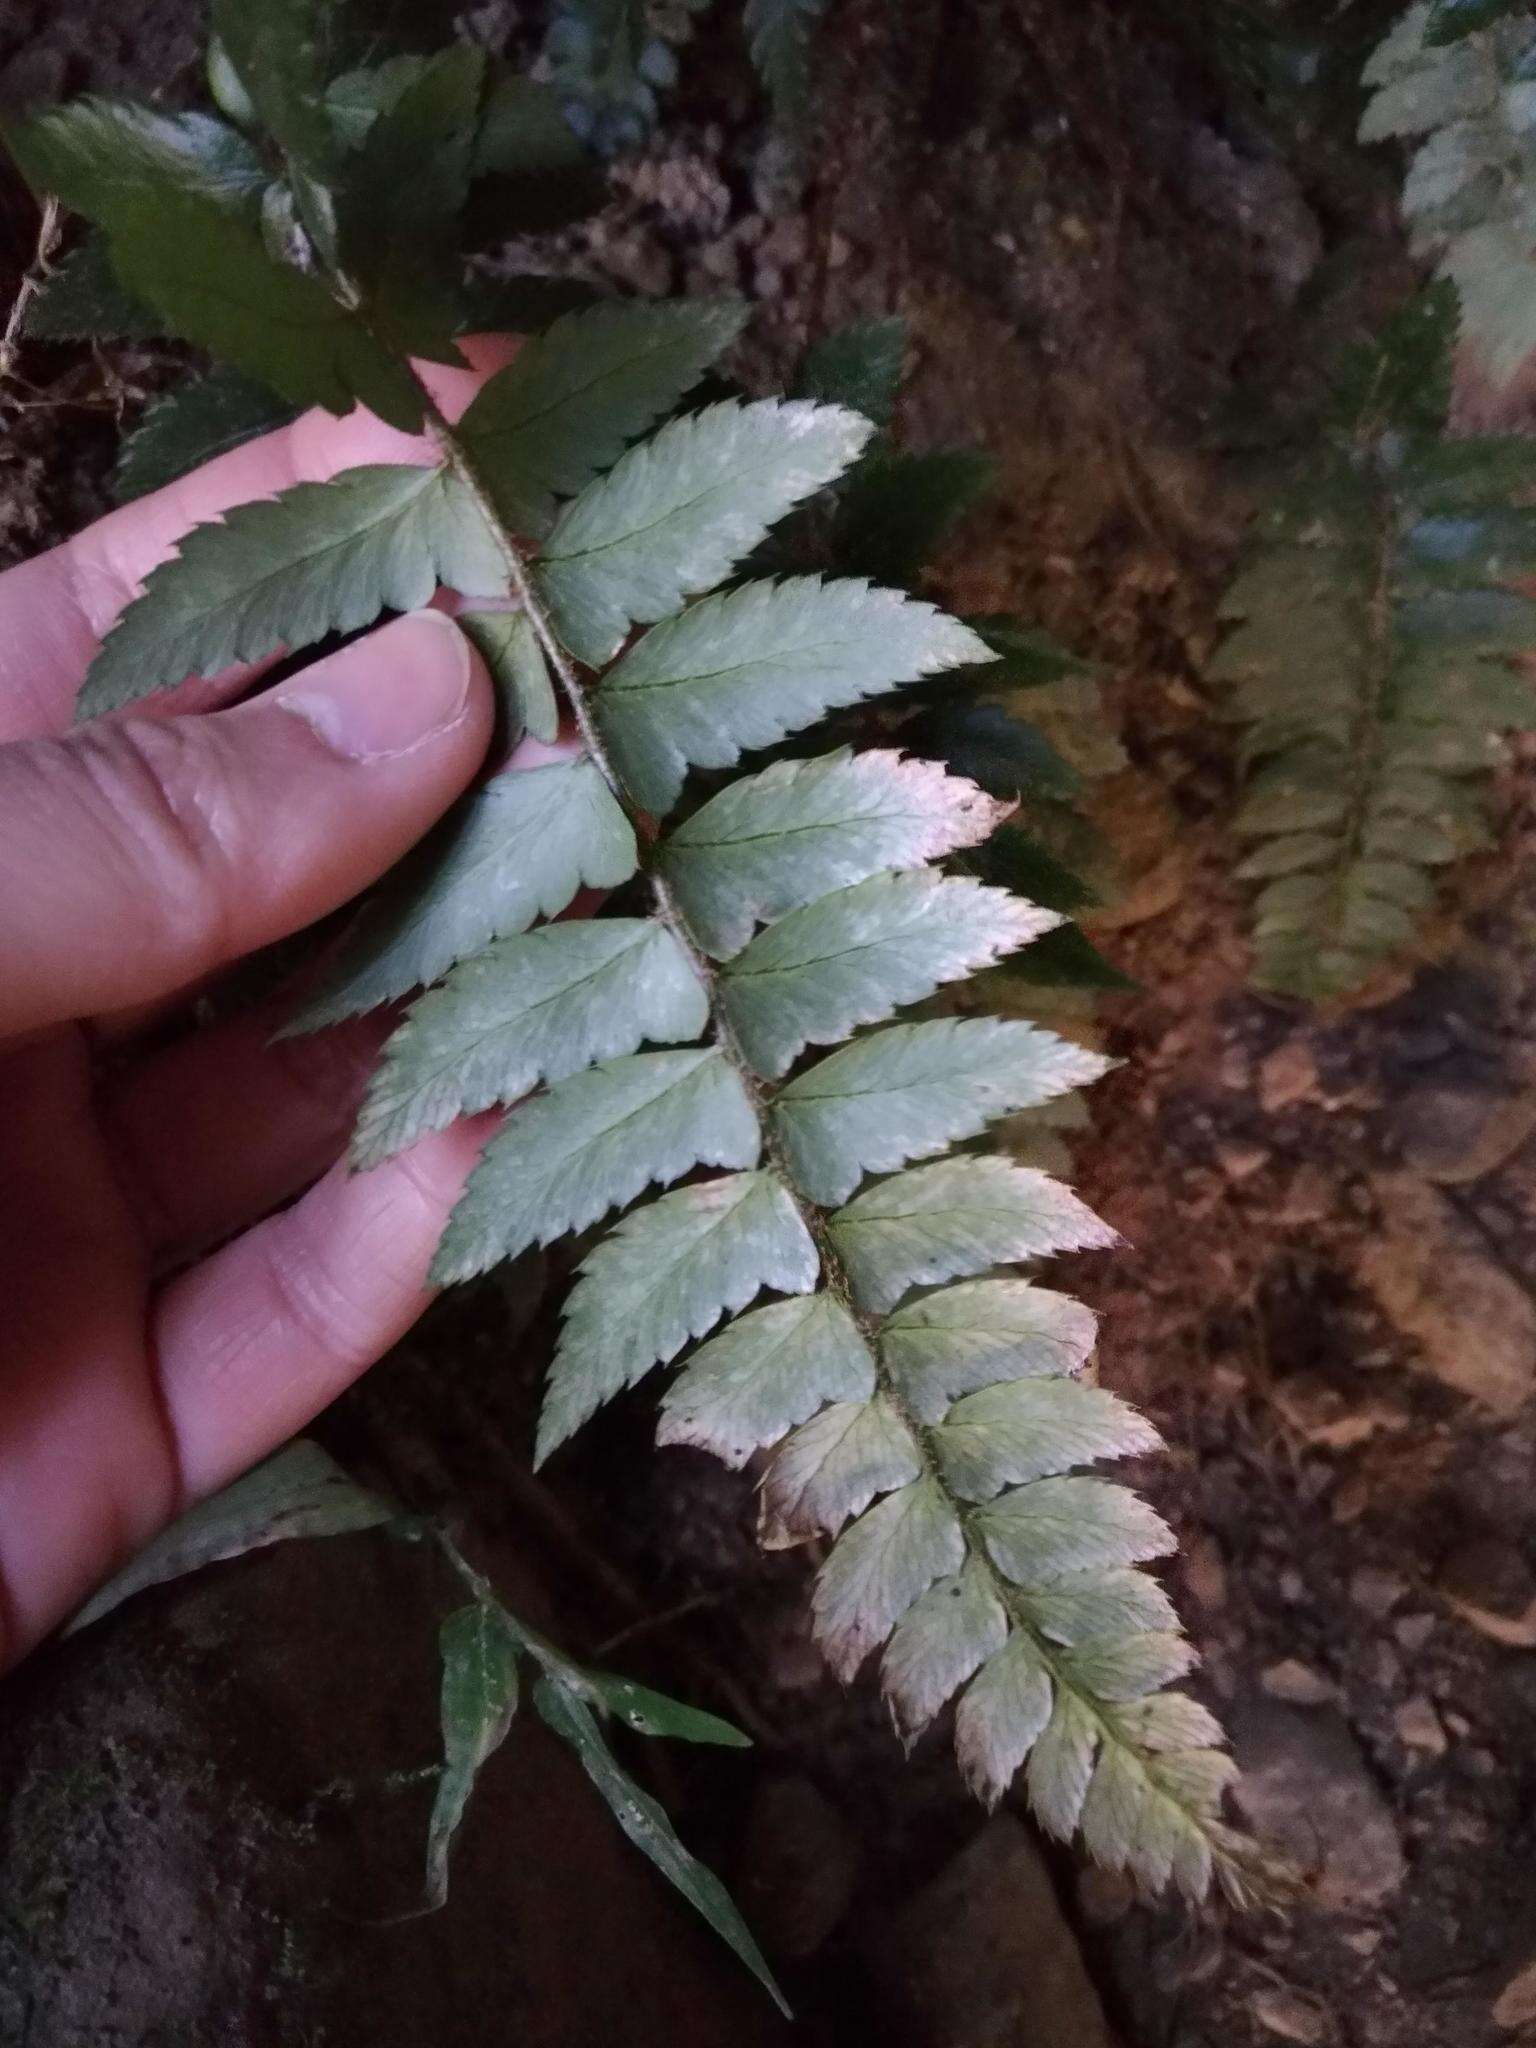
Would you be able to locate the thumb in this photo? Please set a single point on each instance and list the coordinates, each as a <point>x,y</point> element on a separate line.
<point>141,854</point>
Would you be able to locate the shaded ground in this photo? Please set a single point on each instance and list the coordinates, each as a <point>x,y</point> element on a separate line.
<point>1110,261</point>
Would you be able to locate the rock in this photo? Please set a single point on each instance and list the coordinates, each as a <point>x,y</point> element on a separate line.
<point>1299,1683</point>
<point>1475,1326</point>
<point>1413,1631</point>
<point>1489,1584</point>
<point>1241,1162</point>
<point>1308,1196</point>
<point>1290,2016</point>
<point>1419,1727</point>
<point>1515,2005</point>
<point>1376,1591</point>
<point>1205,1573</point>
<point>982,1958</point>
<point>1453,1133</point>
<point>1288,1075</point>
<point>800,1863</point>
<point>1305,1788</point>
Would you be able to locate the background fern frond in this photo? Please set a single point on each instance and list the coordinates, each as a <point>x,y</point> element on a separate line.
<point>1452,76</point>
<point>1372,625</point>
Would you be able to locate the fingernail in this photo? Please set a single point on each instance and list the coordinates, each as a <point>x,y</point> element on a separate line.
<point>388,694</point>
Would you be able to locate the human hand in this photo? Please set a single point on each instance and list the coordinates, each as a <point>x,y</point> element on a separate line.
<point>140,855</point>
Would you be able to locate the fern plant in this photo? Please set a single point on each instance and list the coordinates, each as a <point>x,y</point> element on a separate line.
<point>844,1276</point>
<point>1454,76</point>
<point>1369,659</point>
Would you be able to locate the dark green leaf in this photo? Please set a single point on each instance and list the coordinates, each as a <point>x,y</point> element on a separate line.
<point>180,200</point>
<point>655,1713</point>
<point>1067,958</point>
<point>896,509</point>
<point>1008,756</point>
<point>299,1491</point>
<point>858,366</point>
<point>81,300</point>
<point>479,1697</point>
<point>404,192</point>
<point>648,1827</point>
<point>189,425</point>
<point>531,172</point>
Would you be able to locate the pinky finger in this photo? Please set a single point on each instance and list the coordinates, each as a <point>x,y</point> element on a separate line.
<point>258,1338</point>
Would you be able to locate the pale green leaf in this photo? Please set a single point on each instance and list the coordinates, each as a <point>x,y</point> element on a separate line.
<point>774,842</point>
<point>831,1468</point>
<point>1129,1822</point>
<point>1041,1531</point>
<point>286,571</point>
<point>746,667</point>
<point>647,1826</point>
<point>960,1216</point>
<point>1131,1667</point>
<point>855,956</point>
<point>593,1143</point>
<point>479,1697</point>
<point>980,1333</point>
<point>911,1091</point>
<point>574,397</point>
<point>1002,1714</point>
<point>518,849</point>
<point>1061,1766</point>
<point>1099,1606</point>
<point>939,1643</point>
<point>676,514</point>
<point>664,1275</point>
<point>509,646</point>
<point>879,1567</point>
<point>527,1010</point>
<point>763,1374</point>
<point>1029,1429</point>
<point>1168,1721</point>
<point>299,1491</point>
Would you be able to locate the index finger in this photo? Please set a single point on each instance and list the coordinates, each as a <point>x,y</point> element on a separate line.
<point>55,608</point>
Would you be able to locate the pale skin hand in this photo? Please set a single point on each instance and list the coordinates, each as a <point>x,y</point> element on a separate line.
<point>139,855</point>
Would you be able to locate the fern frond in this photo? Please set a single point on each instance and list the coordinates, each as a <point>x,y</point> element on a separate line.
<point>1453,76</point>
<point>923,1410</point>
<point>1368,658</point>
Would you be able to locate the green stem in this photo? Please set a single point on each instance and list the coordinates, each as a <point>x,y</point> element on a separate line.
<point>814,1219</point>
